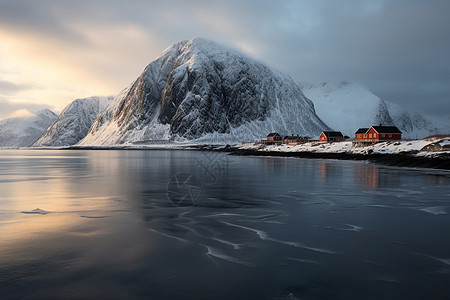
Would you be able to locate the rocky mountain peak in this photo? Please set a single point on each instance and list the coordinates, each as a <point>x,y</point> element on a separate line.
<point>197,89</point>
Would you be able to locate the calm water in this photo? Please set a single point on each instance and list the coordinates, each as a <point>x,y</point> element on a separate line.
<point>202,225</point>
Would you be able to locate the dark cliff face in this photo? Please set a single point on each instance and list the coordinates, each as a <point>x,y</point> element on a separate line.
<point>198,87</point>
<point>142,100</point>
<point>194,101</point>
<point>216,94</point>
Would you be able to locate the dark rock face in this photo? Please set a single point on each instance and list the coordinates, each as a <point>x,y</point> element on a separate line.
<point>198,88</point>
<point>433,147</point>
<point>382,116</point>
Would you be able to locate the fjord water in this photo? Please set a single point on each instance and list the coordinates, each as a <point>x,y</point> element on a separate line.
<point>206,225</point>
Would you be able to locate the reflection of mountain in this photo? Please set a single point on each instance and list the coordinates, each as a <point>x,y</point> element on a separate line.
<point>265,219</point>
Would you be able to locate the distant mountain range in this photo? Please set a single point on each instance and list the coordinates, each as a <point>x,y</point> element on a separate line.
<point>74,122</point>
<point>348,106</point>
<point>24,131</point>
<point>201,92</point>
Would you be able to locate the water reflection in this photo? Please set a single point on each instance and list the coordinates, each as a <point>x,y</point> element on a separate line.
<point>329,169</point>
<point>436,179</point>
<point>368,176</point>
<point>373,177</point>
<point>263,228</point>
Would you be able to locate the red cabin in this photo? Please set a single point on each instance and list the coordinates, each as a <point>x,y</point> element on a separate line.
<point>331,136</point>
<point>274,136</point>
<point>361,134</point>
<point>378,133</point>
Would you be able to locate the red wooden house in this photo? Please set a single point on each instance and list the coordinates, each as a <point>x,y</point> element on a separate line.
<point>274,137</point>
<point>361,134</point>
<point>378,133</point>
<point>331,136</point>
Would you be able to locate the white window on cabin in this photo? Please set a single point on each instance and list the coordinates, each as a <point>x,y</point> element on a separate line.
<point>390,135</point>
<point>370,135</point>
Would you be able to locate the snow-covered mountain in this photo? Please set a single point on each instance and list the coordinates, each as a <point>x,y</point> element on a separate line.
<point>199,90</point>
<point>22,132</point>
<point>74,122</point>
<point>348,106</point>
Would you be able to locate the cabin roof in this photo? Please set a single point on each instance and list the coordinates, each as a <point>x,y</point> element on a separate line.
<point>362,130</point>
<point>333,134</point>
<point>273,134</point>
<point>293,137</point>
<point>386,129</point>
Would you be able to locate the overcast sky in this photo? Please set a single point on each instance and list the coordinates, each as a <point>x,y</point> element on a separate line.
<point>52,52</point>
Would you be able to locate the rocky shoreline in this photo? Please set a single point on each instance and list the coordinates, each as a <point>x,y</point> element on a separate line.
<point>404,159</point>
<point>400,160</point>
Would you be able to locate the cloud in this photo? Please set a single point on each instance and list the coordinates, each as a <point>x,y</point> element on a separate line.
<point>397,48</point>
<point>10,109</point>
<point>30,17</point>
<point>20,113</point>
<point>7,87</point>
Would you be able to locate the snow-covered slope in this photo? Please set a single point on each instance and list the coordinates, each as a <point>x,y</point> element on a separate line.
<point>74,122</point>
<point>417,125</point>
<point>199,90</point>
<point>22,132</point>
<point>347,106</point>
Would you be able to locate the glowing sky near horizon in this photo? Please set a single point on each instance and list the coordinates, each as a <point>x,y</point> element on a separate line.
<point>52,52</point>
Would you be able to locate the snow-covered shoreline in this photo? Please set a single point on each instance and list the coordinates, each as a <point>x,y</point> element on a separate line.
<point>413,153</point>
<point>391,147</point>
<point>426,153</point>
<point>412,147</point>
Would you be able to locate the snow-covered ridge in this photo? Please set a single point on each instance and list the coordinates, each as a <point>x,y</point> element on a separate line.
<point>348,106</point>
<point>22,132</point>
<point>74,122</point>
<point>199,90</point>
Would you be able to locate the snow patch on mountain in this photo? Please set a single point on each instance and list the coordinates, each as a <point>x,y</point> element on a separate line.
<point>74,122</point>
<point>199,90</point>
<point>24,131</point>
<point>346,107</point>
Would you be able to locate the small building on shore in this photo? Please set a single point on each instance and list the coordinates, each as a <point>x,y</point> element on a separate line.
<point>361,134</point>
<point>274,136</point>
<point>376,134</point>
<point>331,136</point>
<point>295,140</point>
